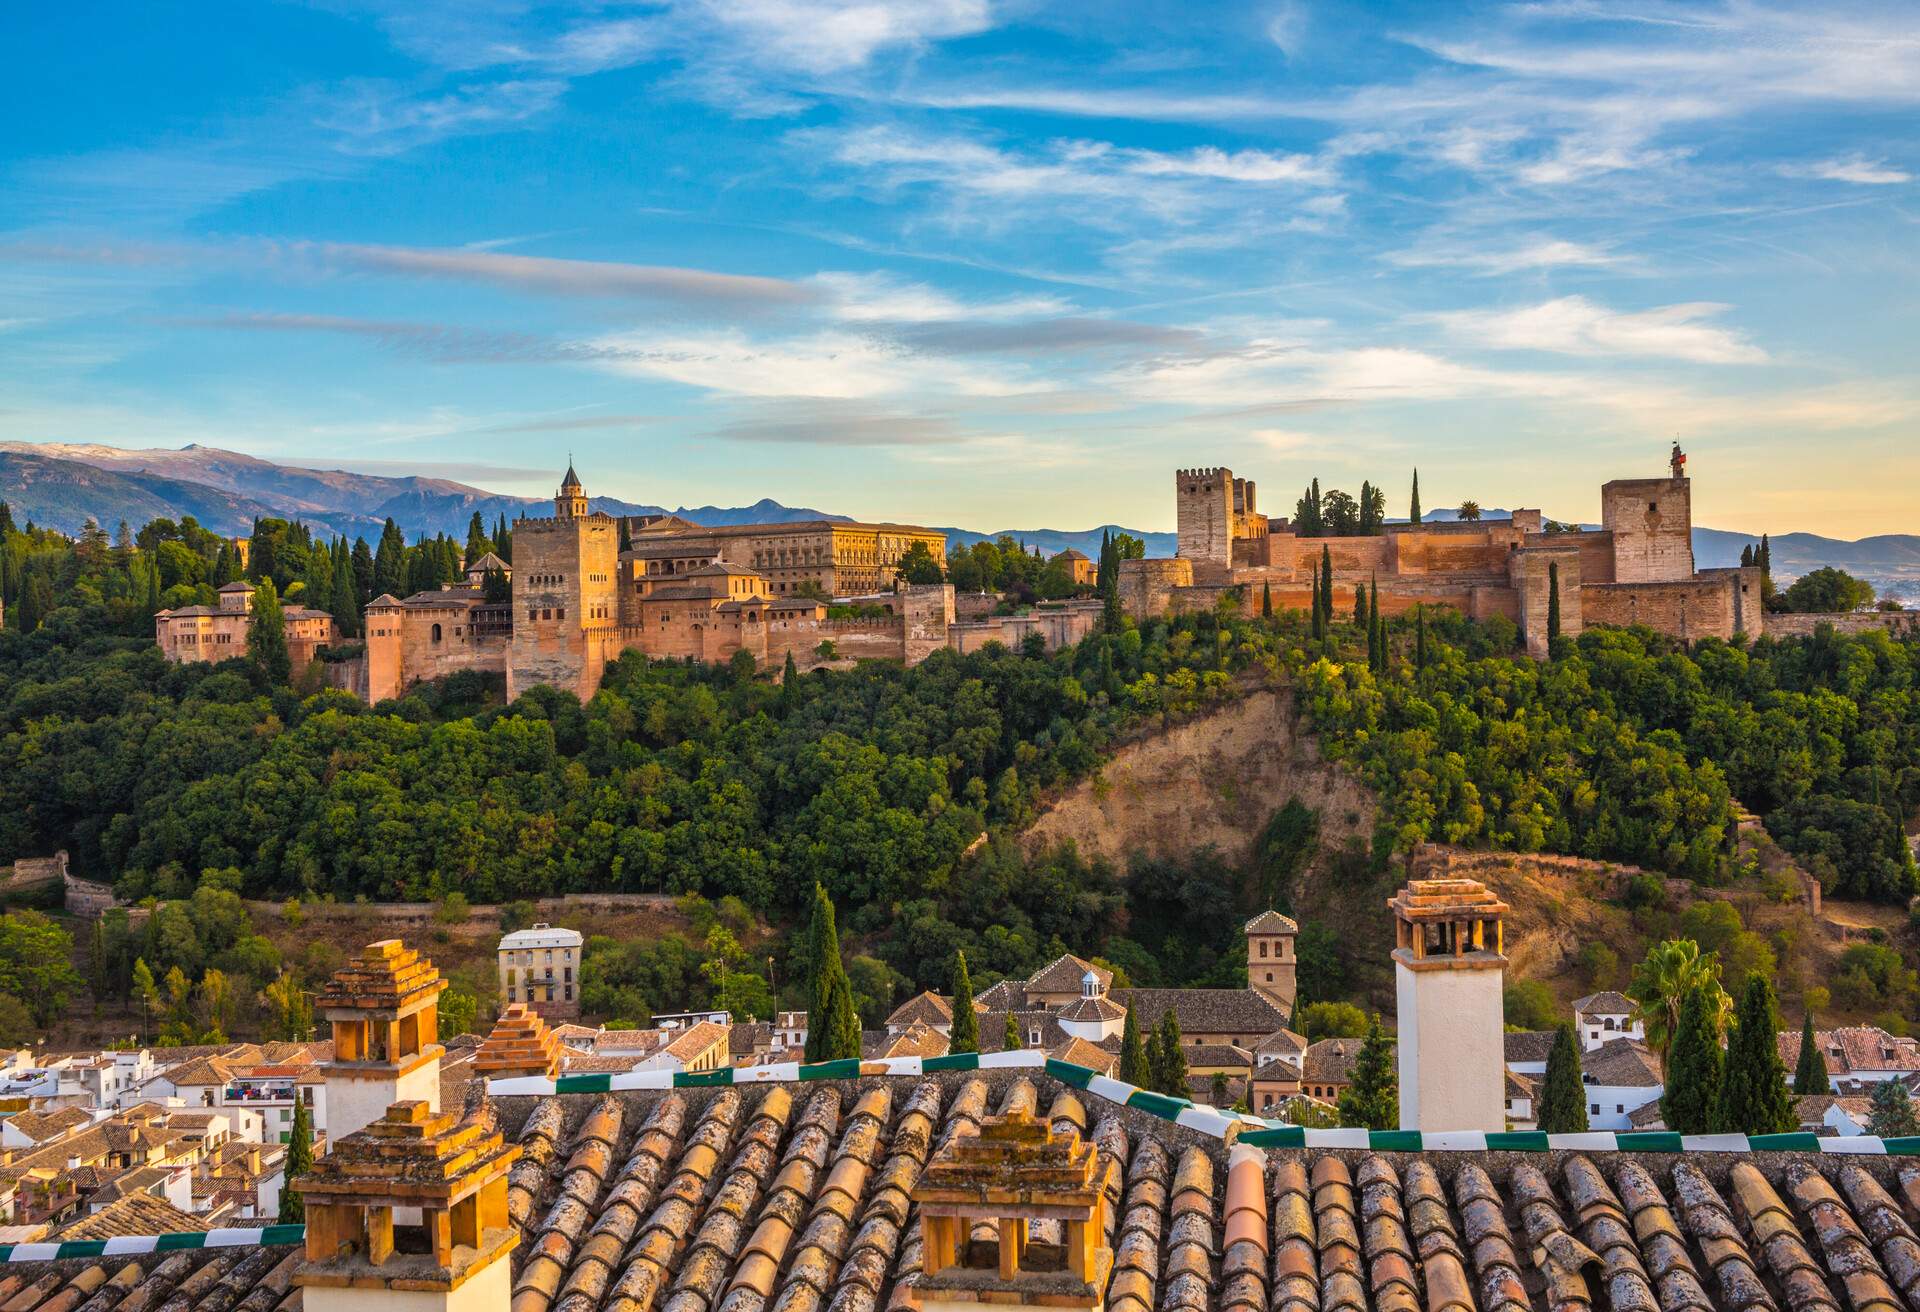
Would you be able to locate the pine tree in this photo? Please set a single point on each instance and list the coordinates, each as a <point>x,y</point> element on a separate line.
<point>1810,1076</point>
<point>267,635</point>
<point>1266,601</point>
<point>1563,1098</point>
<point>1170,1058</point>
<point>1135,1067</point>
<point>1553,602</point>
<point>299,1162</point>
<point>1413,509</point>
<point>1890,1114</point>
<point>965,1036</point>
<point>1695,1067</point>
<point>1371,1099</point>
<point>1753,1097</point>
<point>1012,1040</point>
<point>825,967</point>
<point>390,562</point>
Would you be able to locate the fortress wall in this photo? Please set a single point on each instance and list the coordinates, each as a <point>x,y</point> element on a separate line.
<point>1704,607</point>
<point>1900,623</point>
<point>1146,586</point>
<point>1057,628</point>
<point>1353,558</point>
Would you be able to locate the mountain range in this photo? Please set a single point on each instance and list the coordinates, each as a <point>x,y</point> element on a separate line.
<point>63,485</point>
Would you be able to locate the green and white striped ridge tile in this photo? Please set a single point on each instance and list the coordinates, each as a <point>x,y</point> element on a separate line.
<point>1252,1131</point>
<point>134,1245</point>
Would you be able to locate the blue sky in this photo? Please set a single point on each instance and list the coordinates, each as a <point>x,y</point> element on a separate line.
<point>981,263</point>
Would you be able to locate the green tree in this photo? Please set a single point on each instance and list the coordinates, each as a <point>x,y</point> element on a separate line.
<point>1420,636</point>
<point>36,964</point>
<point>1528,1004</point>
<point>1553,601</point>
<point>1326,583</point>
<point>1695,1069</point>
<point>1413,507</point>
<point>1170,1058</point>
<point>1319,618</point>
<point>1470,511</point>
<point>1266,601</point>
<point>459,1011</point>
<point>1135,1067</point>
<point>1563,1097</point>
<point>965,1036</point>
<point>267,635</point>
<point>1371,1099</point>
<point>841,1022</point>
<point>299,1162</point>
<point>1754,1098</point>
<point>1661,984</point>
<point>147,992</point>
<point>1331,1020</point>
<point>1826,591</point>
<point>1890,1111</point>
<point>17,1028</point>
<point>290,1010</point>
<point>824,970</point>
<point>1810,1076</point>
<point>1012,1039</point>
<point>1217,1093</point>
<point>478,544</point>
<point>917,565</point>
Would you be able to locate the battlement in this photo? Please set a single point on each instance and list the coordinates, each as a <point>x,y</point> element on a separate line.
<point>1216,471</point>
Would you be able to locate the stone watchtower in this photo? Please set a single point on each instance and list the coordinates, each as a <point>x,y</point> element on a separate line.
<point>384,1006</point>
<point>1651,520</point>
<point>1203,512</point>
<point>1040,1190</point>
<point>1270,959</point>
<point>409,1214</point>
<point>1449,970</point>
<point>565,594</point>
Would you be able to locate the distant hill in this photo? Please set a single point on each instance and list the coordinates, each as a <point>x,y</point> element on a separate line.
<point>61,484</point>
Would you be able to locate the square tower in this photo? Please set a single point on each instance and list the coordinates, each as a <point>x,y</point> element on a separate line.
<point>565,595</point>
<point>1449,972</point>
<point>1203,511</point>
<point>1270,959</point>
<point>1651,520</point>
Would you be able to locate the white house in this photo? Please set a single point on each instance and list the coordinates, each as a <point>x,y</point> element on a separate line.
<point>1620,1078</point>
<point>1600,1018</point>
<point>1521,1092</point>
<point>1527,1052</point>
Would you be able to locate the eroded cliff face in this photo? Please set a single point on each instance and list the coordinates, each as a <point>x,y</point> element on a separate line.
<point>1212,781</point>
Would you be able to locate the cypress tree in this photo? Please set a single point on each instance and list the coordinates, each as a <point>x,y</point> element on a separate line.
<point>1170,1068</point>
<point>1553,601</point>
<point>1753,1097</point>
<point>362,574</point>
<point>824,966</point>
<point>1013,1040</point>
<point>1811,1075</point>
<point>1360,606</point>
<point>390,561</point>
<point>1413,509</point>
<point>267,635</point>
<point>1266,601</point>
<point>1695,1067</point>
<point>1420,637</point>
<point>1376,632</point>
<point>299,1162</point>
<point>478,544</point>
<point>1764,557</point>
<point>6,521</point>
<point>1746,556</point>
<point>842,1029</point>
<point>1371,1099</point>
<point>1563,1098</point>
<point>966,1025</point>
<point>626,535</point>
<point>1135,1068</point>
<point>1319,621</point>
<point>1326,584</point>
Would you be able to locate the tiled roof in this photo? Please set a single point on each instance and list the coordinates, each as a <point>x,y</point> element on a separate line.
<point>1281,1043</point>
<point>926,1008</point>
<point>1329,1060</point>
<point>43,1126</point>
<point>1241,1012</point>
<point>1007,995</point>
<point>1529,1045</point>
<point>1065,973</point>
<point>1093,1009</point>
<point>918,1040</point>
<point>1272,922</point>
<point>1649,1115</point>
<point>1624,1063</point>
<point>1282,1069</point>
<point>1091,1055</point>
<point>1605,1003</point>
<point>1518,1086</point>
<point>1219,1054</point>
<point>797,1198</point>
<point>135,1214</point>
<point>1860,1048</point>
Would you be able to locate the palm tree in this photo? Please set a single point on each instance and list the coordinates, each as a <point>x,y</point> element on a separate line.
<point>1470,510</point>
<point>1660,986</point>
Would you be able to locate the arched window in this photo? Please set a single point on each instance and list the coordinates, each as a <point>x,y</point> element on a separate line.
<point>436,633</point>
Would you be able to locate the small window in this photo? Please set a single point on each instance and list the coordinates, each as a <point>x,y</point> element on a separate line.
<point>1594,1108</point>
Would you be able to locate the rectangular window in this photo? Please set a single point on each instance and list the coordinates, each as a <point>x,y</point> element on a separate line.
<point>1595,1108</point>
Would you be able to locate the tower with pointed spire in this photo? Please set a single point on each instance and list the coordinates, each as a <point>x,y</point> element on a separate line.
<point>571,503</point>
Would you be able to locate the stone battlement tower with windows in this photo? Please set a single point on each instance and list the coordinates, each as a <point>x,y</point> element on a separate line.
<point>565,595</point>
<point>1203,509</point>
<point>1651,520</point>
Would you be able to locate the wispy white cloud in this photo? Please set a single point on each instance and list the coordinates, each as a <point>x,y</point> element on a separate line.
<point>1541,253</point>
<point>874,297</point>
<point>379,118</point>
<point>558,277</point>
<point>1574,325</point>
<point>830,365</point>
<point>1850,168</point>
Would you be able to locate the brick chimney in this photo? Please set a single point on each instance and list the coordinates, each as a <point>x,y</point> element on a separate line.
<point>520,1045</point>
<point>384,1007</point>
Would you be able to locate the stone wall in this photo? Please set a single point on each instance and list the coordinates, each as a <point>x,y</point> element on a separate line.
<point>564,602</point>
<point>35,877</point>
<point>1057,628</point>
<point>1534,570</point>
<point>1900,623</point>
<point>1147,586</point>
<point>928,611</point>
<point>1711,605</point>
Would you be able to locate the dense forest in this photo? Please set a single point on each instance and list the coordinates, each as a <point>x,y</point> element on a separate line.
<point>875,782</point>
